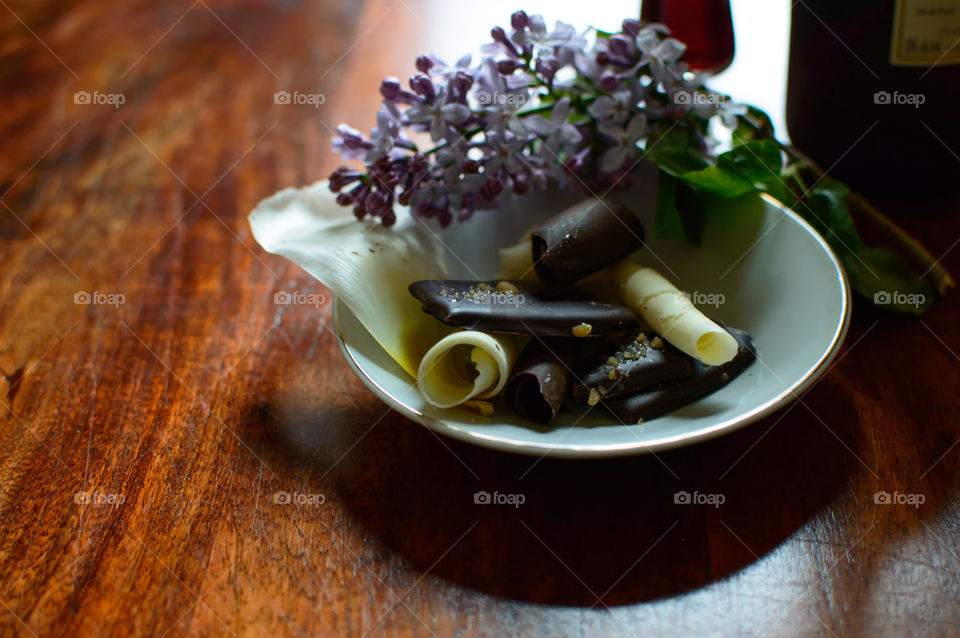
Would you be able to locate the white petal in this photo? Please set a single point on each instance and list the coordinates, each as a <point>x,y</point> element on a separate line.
<point>437,129</point>
<point>419,113</point>
<point>613,159</point>
<point>366,264</point>
<point>603,106</point>
<point>455,113</point>
<point>670,49</point>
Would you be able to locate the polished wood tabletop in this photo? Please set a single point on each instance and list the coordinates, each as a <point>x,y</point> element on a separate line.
<point>179,454</point>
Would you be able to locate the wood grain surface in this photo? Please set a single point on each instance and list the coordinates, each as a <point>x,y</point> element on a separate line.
<point>147,436</point>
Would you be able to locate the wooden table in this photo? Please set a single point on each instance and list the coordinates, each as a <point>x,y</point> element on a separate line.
<point>145,435</point>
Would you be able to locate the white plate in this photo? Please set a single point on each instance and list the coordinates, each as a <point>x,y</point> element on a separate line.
<point>779,281</point>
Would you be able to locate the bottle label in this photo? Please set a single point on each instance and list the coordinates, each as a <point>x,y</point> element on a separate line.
<point>926,33</point>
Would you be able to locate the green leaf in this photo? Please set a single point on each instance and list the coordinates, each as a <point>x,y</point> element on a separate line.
<point>761,163</point>
<point>756,161</point>
<point>676,151</point>
<point>886,279</point>
<point>667,222</point>
<point>692,212</point>
<point>762,121</point>
<point>677,161</point>
<point>718,181</point>
<point>679,214</point>
<point>826,209</point>
<point>741,171</point>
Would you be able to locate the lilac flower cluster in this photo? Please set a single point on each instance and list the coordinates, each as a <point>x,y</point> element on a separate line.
<point>541,107</point>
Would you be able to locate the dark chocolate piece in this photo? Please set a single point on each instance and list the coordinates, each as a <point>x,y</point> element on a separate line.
<point>632,364</point>
<point>525,308</point>
<point>539,382</point>
<point>651,403</point>
<point>583,239</point>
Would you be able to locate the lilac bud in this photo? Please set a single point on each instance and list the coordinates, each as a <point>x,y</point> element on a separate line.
<point>389,218</point>
<point>390,89</point>
<point>519,20</point>
<point>342,177</point>
<point>406,195</point>
<point>352,139</point>
<point>424,63</point>
<point>547,65</point>
<point>631,27</point>
<point>425,210</point>
<point>375,203</point>
<point>500,36</point>
<point>619,46</point>
<point>461,83</point>
<point>417,164</point>
<point>467,205</point>
<point>491,188</point>
<point>444,216</point>
<point>609,82</point>
<point>507,67</point>
<point>422,85</point>
<point>603,59</point>
<point>520,184</point>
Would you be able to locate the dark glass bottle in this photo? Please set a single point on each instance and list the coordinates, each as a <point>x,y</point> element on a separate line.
<point>874,92</point>
<point>704,26</point>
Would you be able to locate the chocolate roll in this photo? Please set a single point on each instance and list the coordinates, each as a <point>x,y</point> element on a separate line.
<point>664,397</point>
<point>523,308</point>
<point>583,239</point>
<point>539,382</point>
<point>632,364</point>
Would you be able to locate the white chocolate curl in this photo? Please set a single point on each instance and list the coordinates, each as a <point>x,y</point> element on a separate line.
<point>516,261</point>
<point>466,365</point>
<point>671,314</point>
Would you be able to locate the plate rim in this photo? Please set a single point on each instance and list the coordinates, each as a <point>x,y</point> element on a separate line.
<point>781,400</point>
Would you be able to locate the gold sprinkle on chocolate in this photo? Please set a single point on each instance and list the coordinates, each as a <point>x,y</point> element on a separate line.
<point>656,343</point>
<point>612,375</point>
<point>582,330</point>
<point>507,288</point>
<point>594,397</point>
